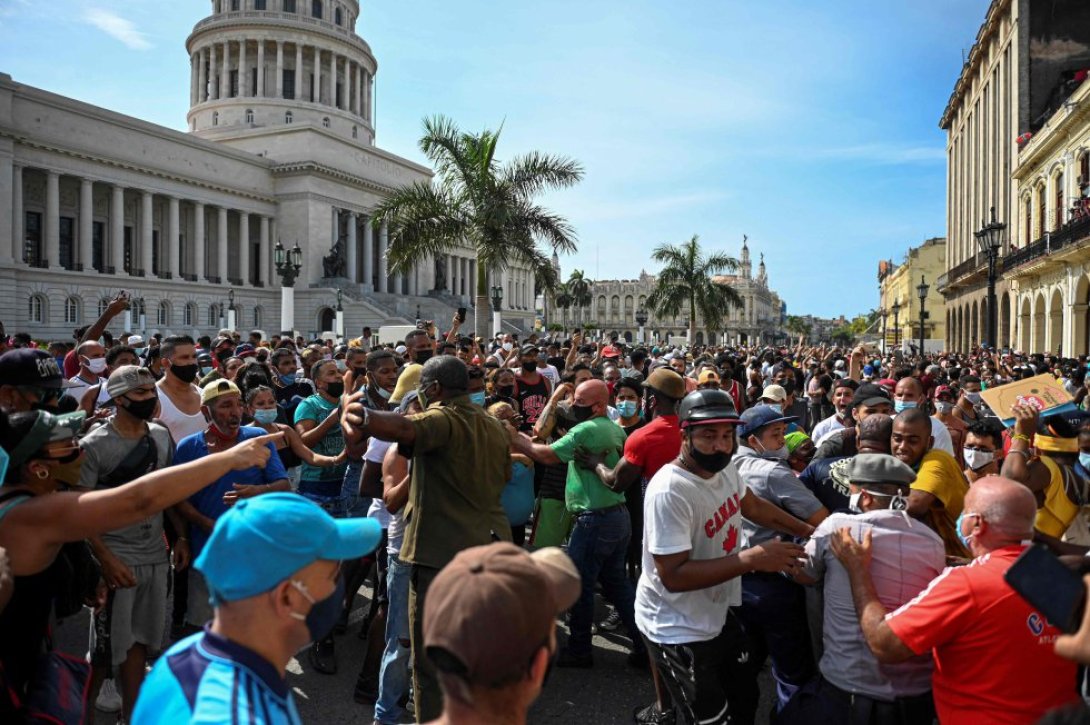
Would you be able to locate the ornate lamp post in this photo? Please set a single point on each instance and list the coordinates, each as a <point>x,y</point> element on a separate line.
<point>990,240</point>
<point>231,317</point>
<point>921,292</point>
<point>497,307</point>
<point>340,315</point>
<point>885,313</point>
<point>896,323</point>
<point>641,320</point>
<point>288,263</point>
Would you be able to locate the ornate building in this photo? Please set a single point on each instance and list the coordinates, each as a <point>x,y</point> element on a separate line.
<point>898,289</point>
<point>614,304</point>
<point>280,149</point>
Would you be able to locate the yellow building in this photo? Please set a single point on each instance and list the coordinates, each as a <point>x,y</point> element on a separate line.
<point>899,299</point>
<point>1049,273</point>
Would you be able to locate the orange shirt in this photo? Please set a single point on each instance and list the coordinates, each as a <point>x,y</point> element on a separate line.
<point>993,654</point>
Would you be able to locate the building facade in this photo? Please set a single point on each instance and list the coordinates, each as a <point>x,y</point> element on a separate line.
<point>898,286</point>
<point>280,149</point>
<point>614,304</point>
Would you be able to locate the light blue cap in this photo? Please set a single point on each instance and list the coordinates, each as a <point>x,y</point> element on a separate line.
<point>262,541</point>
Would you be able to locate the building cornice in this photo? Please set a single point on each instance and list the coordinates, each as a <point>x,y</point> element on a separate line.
<point>990,25</point>
<point>1056,133</point>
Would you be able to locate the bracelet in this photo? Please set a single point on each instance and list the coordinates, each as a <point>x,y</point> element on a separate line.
<point>1020,437</point>
<point>1022,451</point>
<point>181,538</point>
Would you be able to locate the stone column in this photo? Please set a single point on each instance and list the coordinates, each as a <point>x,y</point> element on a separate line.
<point>53,219</point>
<point>279,69</point>
<point>198,241</point>
<point>17,217</point>
<point>383,263</point>
<point>298,73</point>
<point>450,274</point>
<point>317,74</point>
<point>333,80</point>
<point>350,93</point>
<point>221,244</point>
<point>243,76</point>
<point>146,232</point>
<point>353,262</point>
<point>86,224</point>
<point>174,239</point>
<point>194,61</point>
<point>368,255</point>
<point>244,248</point>
<point>472,282</point>
<point>117,228</point>
<point>213,74</point>
<point>263,250</point>
<point>260,69</point>
<point>202,76</point>
<point>225,71</point>
<point>368,88</point>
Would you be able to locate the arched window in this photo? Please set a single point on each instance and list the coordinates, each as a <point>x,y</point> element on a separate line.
<point>102,305</point>
<point>190,314</point>
<point>338,17</point>
<point>325,122</point>
<point>215,118</point>
<point>257,316</point>
<point>36,309</point>
<point>289,6</point>
<point>288,117</point>
<point>138,309</point>
<point>72,311</point>
<point>249,116</point>
<point>316,8</point>
<point>163,316</point>
<point>1058,220</point>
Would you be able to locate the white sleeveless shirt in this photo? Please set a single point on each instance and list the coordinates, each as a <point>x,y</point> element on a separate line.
<point>178,423</point>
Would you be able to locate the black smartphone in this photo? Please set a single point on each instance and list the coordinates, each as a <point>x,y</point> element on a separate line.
<point>1042,580</point>
<point>461,315</point>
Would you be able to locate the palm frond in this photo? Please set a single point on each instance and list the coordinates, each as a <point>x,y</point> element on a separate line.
<point>535,172</point>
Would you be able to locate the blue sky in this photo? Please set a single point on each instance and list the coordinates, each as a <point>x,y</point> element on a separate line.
<point>811,127</point>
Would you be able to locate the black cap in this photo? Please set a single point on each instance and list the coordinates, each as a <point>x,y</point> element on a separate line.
<point>31,367</point>
<point>869,394</point>
<point>702,407</point>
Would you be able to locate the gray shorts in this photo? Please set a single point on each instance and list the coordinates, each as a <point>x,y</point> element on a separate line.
<point>198,608</point>
<point>137,615</point>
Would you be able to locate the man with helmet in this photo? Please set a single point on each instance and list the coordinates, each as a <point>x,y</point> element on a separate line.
<point>693,558</point>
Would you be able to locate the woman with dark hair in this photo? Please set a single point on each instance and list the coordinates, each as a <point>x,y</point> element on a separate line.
<point>37,520</point>
<point>261,407</point>
<point>501,387</point>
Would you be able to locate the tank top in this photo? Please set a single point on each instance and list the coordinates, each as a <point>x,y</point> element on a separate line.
<point>532,400</point>
<point>178,423</point>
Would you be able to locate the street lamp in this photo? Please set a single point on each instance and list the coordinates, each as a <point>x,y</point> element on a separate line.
<point>896,323</point>
<point>288,263</point>
<point>921,292</point>
<point>885,313</point>
<point>990,239</point>
<point>231,310</point>
<point>340,315</point>
<point>641,320</point>
<point>497,306</point>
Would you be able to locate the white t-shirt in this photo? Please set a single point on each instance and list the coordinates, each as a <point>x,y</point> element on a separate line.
<point>684,512</point>
<point>551,373</point>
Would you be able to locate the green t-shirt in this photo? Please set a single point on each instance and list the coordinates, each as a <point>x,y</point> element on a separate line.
<point>583,490</point>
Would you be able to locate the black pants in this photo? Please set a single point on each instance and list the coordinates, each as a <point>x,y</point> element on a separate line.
<point>822,703</point>
<point>709,682</point>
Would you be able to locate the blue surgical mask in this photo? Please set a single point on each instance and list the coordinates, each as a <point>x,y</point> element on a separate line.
<point>1084,460</point>
<point>3,464</point>
<point>776,407</point>
<point>965,540</point>
<point>384,393</point>
<point>265,416</point>
<point>288,379</point>
<point>627,408</point>
<point>477,398</point>
<point>140,351</point>
<point>899,405</point>
<point>206,369</point>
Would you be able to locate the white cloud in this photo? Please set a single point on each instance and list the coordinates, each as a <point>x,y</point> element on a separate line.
<point>117,27</point>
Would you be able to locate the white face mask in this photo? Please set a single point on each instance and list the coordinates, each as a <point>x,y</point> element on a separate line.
<point>98,365</point>
<point>853,502</point>
<point>973,398</point>
<point>507,347</point>
<point>944,407</point>
<point>978,459</point>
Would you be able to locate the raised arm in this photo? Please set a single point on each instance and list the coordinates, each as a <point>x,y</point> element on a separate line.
<point>357,423</point>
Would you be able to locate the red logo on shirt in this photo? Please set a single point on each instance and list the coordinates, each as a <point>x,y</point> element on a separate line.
<point>731,541</point>
<point>723,514</point>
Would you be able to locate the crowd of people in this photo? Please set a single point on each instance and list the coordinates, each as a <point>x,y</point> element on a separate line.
<point>843,517</point>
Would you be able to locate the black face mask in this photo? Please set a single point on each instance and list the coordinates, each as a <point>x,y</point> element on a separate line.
<point>142,409</point>
<point>222,356</point>
<point>359,373</point>
<point>186,373</point>
<point>529,366</point>
<point>505,391</point>
<point>711,462</point>
<point>334,390</point>
<point>422,356</point>
<point>582,412</point>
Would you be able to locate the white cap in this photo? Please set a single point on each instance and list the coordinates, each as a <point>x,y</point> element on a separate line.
<point>400,349</point>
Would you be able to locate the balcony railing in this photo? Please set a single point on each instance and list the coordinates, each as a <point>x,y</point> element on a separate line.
<point>967,267</point>
<point>1072,233</point>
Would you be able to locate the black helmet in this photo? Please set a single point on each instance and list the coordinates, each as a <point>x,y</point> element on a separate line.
<point>702,407</point>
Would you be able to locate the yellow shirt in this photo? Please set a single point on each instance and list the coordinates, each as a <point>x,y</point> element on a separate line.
<point>1058,510</point>
<point>940,475</point>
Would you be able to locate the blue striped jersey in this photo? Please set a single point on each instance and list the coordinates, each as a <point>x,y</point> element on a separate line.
<point>209,679</point>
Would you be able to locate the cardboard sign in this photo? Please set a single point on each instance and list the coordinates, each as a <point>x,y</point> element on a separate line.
<point>1043,392</point>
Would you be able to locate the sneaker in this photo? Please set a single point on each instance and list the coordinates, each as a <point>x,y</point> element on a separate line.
<point>567,659</point>
<point>611,623</point>
<point>652,715</point>
<point>109,699</point>
<point>323,658</point>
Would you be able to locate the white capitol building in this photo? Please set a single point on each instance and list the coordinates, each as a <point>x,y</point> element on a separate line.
<point>280,148</point>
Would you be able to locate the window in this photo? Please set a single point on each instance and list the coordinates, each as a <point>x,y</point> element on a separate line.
<point>215,118</point>
<point>1058,221</point>
<point>67,239</point>
<point>355,132</point>
<point>71,311</point>
<point>288,117</point>
<point>316,8</point>
<point>139,312</point>
<point>32,243</point>
<point>288,83</point>
<point>234,6</point>
<point>289,6</point>
<point>250,116</point>
<point>1042,224</point>
<point>155,252</point>
<point>338,17</point>
<point>1027,227</point>
<point>190,314</point>
<point>257,317</point>
<point>163,316</point>
<point>325,122</point>
<point>233,83</point>
<point>127,260</point>
<point>102,305</point>
<point>259,4</point>
<point>36,309</point>
<point>98,243</point>
<point>214,316</point>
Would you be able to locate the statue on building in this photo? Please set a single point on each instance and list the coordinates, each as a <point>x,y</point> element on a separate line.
<point>333,264</point>
<point>440,274</point>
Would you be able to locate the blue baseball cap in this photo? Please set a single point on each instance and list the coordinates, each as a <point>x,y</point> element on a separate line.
<point>759,416</point>
<point>868,370</point>
<point>262,541</point>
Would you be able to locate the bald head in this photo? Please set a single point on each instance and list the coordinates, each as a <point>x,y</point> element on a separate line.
<point>1006,506</point>
<point>593,392</point>
<point>908,389</point>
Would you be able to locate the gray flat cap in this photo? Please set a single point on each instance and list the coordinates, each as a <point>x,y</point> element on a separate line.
<point>880,468</point>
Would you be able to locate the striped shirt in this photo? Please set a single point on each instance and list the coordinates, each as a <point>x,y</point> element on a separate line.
<point>206,678</point>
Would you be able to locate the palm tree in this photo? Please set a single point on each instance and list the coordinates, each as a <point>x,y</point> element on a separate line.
<point>797,325</point>
<point>579,288</point>
<point>685,282</point>
<point>563,299</point>
<point>476,199</point>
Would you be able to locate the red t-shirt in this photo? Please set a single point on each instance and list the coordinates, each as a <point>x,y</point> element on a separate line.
<point>993,654</point>
<point>71,364</point>
<point>654,445</point>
